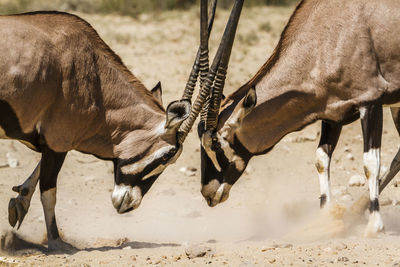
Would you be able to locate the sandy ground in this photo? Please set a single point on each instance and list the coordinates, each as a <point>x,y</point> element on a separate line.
<point>266,221</point>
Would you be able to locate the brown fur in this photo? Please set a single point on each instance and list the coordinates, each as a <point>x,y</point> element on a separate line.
<point>62,79</point>
<point>333,57</point>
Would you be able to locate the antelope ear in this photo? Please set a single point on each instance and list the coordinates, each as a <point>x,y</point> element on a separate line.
<point>250,100</point>
<point>177,112</point>
<point>241,111</point>
<point>157,93</point>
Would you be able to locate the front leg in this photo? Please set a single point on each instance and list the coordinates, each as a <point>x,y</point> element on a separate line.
<point>18,207</point>
<point>50,166</point>
<point>371,122</point>
<point>329,137</point>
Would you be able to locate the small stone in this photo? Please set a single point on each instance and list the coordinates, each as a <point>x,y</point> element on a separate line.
<point>188,171</point>
<point>328,249</point>
<point>127,247</point>
<point>12,160</point>
<point>196,251</point>
<point>357,180</point>
<point>347,149</point>
<point>350,156</point>
<point>339,245</point>
<point>343,259</point>
<point>263,249</point>
<point>271,260</point>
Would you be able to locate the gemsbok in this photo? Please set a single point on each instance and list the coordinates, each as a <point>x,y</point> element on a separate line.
<point>336,61</point>
<point>62,88</point>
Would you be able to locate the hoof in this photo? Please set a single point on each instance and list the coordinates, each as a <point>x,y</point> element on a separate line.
<point>374,226</point>
<point>17,209</point>
<point>59,246</point>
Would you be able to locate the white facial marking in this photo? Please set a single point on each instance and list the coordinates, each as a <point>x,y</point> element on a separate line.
<point>48,199</point>
<point>125,197</point>
<point>363,111</point>
<point>137,167</point>
<point>323,162</point>
<point>206,141</point>
<point>160,129</point>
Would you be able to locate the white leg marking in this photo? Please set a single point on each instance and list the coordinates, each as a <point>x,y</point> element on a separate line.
<point>372,163</point>
<point>362,110</point>
<point>323,162</point>
<point>371,168</point>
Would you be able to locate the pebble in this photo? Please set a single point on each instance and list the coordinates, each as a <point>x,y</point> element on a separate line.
<point>343,259</point>
<point>357,180</point>
<point>350,156</point>
<point>339,245</point>
<point>188,171</point>
<point>12,160</point>
<point>196,251</point>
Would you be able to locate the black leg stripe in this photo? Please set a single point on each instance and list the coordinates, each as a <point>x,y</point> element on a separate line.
<point>322,199</point>
<point>374,205</point>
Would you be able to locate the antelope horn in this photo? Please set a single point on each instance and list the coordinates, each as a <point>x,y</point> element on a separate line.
<point>201,61</point>
<point>222,56</point>
<point>212,108</point>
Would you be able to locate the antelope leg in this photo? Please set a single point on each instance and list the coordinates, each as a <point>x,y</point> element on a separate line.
<point>18,206</point>
<point>361,204</point>
<point>50,167</point>
<point>371,122</point>
<point>329,137</point>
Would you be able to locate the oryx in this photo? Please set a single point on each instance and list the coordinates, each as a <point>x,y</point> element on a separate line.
<point>63,88</point>
<point>336,61</point>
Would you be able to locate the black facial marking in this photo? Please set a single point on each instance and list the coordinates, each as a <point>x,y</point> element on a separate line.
<point>374,205</point>
<point>322,201</point>
<point>10,123</point>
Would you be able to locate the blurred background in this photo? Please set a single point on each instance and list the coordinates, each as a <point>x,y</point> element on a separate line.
<point>122,7</point>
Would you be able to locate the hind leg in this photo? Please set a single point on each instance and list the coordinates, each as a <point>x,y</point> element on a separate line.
<point>329,137</point>
<point>371,122</point>
<point>18,207</point>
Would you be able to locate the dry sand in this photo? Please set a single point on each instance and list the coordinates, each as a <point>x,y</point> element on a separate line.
<point>272,216</point>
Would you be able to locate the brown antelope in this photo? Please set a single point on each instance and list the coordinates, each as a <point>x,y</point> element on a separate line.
<point>336,61</point>
<point>63,88</point>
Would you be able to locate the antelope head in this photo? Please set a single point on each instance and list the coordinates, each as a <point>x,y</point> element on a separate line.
<point>135,176</point>
<point>159,148</point>
<point>223,159</point>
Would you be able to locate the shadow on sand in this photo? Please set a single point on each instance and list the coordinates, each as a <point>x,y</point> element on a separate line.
<point>14,244</point>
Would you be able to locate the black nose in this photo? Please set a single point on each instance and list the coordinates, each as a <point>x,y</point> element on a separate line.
<point>210,202</point>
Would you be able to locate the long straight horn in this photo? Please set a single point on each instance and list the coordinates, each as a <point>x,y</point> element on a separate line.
<point>212,109</point>
<point>222,56</point>
<point>201,61</point>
